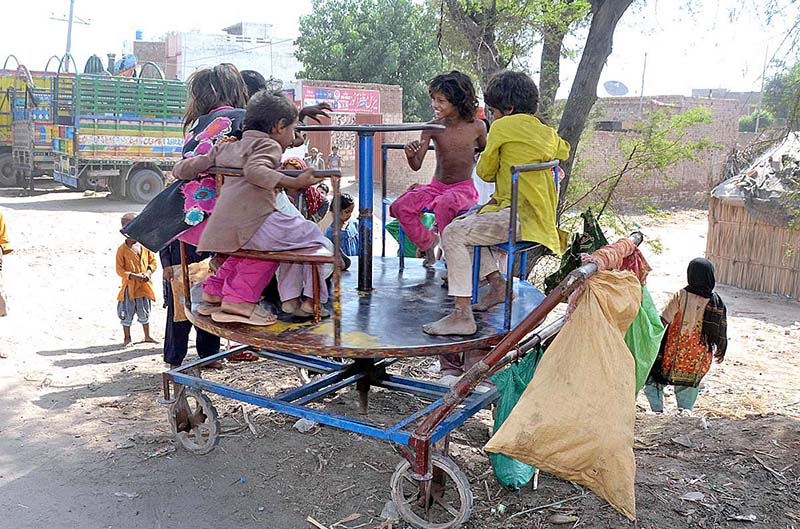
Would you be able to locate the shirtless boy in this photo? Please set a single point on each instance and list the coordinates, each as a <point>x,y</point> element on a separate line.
<point>451,190</point>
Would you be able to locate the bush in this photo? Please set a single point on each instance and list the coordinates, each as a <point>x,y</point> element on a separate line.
<point>748,123</point>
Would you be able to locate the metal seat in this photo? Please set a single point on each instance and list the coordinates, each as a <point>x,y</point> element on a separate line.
<point>513,246</point>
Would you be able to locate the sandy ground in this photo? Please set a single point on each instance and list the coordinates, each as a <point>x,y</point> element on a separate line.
<point>84,442</point>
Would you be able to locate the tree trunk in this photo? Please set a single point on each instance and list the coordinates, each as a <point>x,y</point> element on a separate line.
<point>583,94</point>
<point>480,30</point>
<point>550,69</point>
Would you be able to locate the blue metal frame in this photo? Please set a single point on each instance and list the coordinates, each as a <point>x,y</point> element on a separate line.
<point>337,376</point>
<point>512,247</point>
<point>365,160</point>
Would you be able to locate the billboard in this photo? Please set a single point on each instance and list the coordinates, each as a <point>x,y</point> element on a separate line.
<point>344,100</point>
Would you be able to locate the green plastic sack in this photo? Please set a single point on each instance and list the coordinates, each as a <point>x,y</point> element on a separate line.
<point>393,228</point>
<point>644,338</point>
<point>511,383</point>
<point>590,240</point>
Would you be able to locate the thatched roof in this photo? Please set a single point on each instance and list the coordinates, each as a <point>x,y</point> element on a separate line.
<point>769,186</point>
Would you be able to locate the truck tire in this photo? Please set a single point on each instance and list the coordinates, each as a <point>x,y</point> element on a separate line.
<point>144,184</point>
<point>8,176</point>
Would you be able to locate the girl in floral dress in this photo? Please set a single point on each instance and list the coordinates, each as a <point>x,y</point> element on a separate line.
<point>697,332</point>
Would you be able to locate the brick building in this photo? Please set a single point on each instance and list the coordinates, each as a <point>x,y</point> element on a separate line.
<point>687,183</point>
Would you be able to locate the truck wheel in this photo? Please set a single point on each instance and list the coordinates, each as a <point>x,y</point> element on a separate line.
<point>144,184</point>
<point>8,176</point>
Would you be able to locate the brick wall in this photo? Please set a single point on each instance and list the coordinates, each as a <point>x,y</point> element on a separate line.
<point>686,184</point>
<point>391,107</point>
<point>155,52</point>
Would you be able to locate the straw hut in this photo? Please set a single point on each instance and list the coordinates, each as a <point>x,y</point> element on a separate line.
<point>751,237</point>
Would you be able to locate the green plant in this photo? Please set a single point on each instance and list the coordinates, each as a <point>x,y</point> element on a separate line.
<point>748,123</point>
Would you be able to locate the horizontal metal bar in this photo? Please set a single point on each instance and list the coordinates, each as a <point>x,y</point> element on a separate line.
<point>415,387</point>
<point>411,418</point>
<point>234,171</point>
<point>471,406</point>
<point>207,360</point>
<point>320,416</point>
<point>330,389</point>
<point>315,363</point>
<point>534,166</point>
<point>314,386</point>
<point>401,146</point>
<point>369,129</point>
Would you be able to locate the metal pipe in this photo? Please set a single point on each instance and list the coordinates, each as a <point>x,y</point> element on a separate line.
<point>480,370</point>
<point>337,261</point>
<point>365,160</point>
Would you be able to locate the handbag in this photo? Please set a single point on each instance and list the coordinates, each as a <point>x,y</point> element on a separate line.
<point>161,220</point>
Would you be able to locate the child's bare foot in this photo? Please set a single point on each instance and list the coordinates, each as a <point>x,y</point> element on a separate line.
<point>210,299</point>
<point>496,295</point>
<point>458,322</point>
<point>430,253</point>
<point>307,306</point>
<point>149,339</point>
<point>127,342</point>
<point>290,306</point>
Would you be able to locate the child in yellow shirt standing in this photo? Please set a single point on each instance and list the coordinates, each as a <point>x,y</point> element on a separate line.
<point>135,265</point>
<point>5,248</point>
<point>516,137</point>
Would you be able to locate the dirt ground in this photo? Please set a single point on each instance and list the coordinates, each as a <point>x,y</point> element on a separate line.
<point>84,442</point>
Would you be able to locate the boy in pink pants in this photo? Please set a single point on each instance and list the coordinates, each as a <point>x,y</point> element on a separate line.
<point>451,190</point>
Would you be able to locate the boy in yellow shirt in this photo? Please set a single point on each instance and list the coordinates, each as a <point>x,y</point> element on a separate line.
<point>516,137</point>
<point>5,248</point>
<point>135,265</point>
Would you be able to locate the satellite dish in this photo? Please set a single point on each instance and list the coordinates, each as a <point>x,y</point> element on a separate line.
<point>615,88</point>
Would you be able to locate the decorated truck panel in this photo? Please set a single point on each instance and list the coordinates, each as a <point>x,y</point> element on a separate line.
<point>124,133</point>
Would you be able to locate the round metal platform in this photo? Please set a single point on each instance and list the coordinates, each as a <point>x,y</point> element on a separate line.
<point>385,323</point>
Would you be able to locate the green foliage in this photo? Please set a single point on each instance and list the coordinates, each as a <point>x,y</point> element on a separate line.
<point>782,96</point>
<point>748,123</point>
<point>657,143</point>
<point>372,41</point>
<point>483,36</point>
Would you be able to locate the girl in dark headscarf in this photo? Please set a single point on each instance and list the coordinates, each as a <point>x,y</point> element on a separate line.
<point>696,334</point>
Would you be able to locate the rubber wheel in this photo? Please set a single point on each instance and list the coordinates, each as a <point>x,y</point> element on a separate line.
<point>8,177</point>
<point>448,509</point>
<point>144,185</point>
<point>195,422</point>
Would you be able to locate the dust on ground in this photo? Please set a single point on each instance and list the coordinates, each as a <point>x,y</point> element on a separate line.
<point>85,443</point>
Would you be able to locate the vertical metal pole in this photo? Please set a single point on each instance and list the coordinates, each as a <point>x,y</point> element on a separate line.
<point>185,272</point>
<point>69,29</point>
<point>512,242</point>
<point>384,156</point>
<point>476,272</point>
<point>337,259</point>
<point>365,159</point>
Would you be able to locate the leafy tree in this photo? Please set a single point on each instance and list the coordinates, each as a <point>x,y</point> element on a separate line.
<point>495,33</point>
<point>748,123</point>
<point>782,96</point>
<point>372,41</point>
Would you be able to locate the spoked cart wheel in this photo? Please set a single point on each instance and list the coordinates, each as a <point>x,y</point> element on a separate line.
<point>450,499</point>
<point>194,421</point>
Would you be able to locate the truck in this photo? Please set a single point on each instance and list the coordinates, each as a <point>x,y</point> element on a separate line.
<point>26,114</point>
<point>123,134</point>
<point>108,132</point>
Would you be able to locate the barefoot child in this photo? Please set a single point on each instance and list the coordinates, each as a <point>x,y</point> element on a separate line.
<point>135,265</point>
<point>451,190</point>
<point>245,217</point>
<point>517,137</point>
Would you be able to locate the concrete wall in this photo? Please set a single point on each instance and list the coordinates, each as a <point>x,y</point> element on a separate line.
<point>272,57</point>
<point>155,52</point>
<point>688,183</point>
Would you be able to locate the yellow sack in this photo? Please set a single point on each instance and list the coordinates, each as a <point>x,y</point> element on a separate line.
<point>198,272</point>
<point>576,418</point>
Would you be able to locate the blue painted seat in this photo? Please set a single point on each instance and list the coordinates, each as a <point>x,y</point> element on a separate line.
<point>513,246</point>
